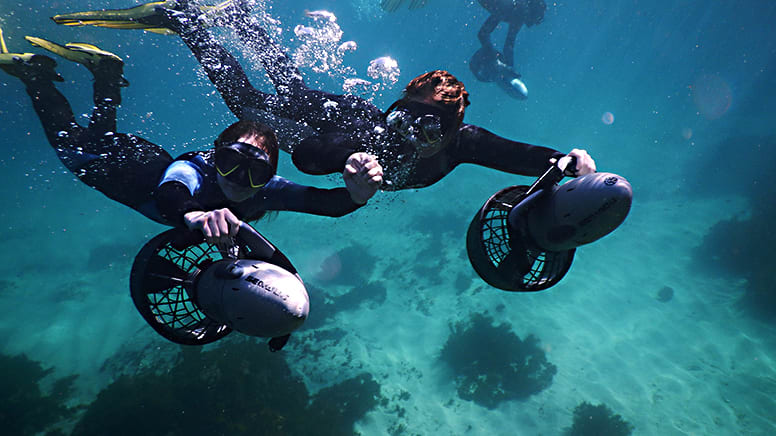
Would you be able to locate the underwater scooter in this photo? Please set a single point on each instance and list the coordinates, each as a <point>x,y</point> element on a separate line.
<point>523,238</point>
<point>192,293</point>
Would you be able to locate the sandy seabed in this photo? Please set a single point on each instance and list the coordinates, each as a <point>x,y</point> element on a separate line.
<point>695,365</point>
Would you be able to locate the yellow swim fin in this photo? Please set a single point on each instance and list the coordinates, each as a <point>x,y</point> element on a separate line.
<point>100,62</point>
<point>82,53</point>
<point>147,16</point>
<point>138,17</point>
<point>4,51</point>
<point>27,64</point>
<point>3,48</point>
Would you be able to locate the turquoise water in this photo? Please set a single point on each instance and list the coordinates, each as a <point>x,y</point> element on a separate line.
<point>689,85</point>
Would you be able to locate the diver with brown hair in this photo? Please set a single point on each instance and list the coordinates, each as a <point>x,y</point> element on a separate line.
<point>488,64</point>
<point>211,190</point>
<point>417,141</point>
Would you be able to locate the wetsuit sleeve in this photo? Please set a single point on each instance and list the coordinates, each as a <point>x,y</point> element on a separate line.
<point>175,194</point>
<point>282,194</point>
<point>481,147</point>
<point>324,154</point>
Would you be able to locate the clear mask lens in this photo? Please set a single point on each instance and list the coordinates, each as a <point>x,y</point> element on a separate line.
<point>423,132</point>
<point>430,127</point>
<point>401,121</point>
<point>244,165</point>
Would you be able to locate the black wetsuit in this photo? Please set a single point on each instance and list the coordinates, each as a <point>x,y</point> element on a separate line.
<point>124,167</point>
<point>326,128</point>
<point>325,154</point>
<point>512,12</point>
<point>296,111</point>
<point>143,176</point>
<point>488,64</point>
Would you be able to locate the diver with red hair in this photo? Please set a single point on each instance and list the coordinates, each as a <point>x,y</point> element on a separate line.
<point>418,140</point>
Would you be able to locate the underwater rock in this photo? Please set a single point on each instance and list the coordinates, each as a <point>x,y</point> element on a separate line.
<point>491,364</point>
<point>325,306</point>
<point>598,420</point>
<point>748,161</point>
<point>335,409</point>
<point>741,248</point>
<point>238,388</point>
<point>350,266</point>
<point>321,309</point>
<point>436,224</point>
<point>24,409</point>
<point>7,286</point>
<point>665,294</point>
<point>370,292</point>
<point>463,280</point>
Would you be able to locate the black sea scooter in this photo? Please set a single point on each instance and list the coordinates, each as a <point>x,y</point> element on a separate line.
<point>193,293</point>
<point>523,238</point>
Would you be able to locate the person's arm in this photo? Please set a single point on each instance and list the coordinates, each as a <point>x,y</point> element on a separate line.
<point>221,67</point>
<point>324,154</point>
<point>226,74</point>
<point>482,147</point>
<point>177,204</point>
<point>280,68</point>
<point>174,196</point>
<point>173,200</point>
<point>180,208</point>
<point>176,201</point>
<point>282,194</point>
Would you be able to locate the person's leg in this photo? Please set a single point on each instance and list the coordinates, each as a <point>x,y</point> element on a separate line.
<point>508,55</point>
<point>188,21</point>
<point>108,81</point>
<point>295,103</point>
<point>323,111</point>
<point>55,114</point>
<point>282,72</point>
<point>482,65</point>
<point>294,115</point>
<point>243,100</point>
<point>487,28</point>
<point>283,113</point>
<point>125,168</point>
<point>225,72</point>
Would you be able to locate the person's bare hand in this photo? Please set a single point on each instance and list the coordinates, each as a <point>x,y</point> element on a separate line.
<point>219,226</point>
<point>363,176</point>
<point>585,163</point>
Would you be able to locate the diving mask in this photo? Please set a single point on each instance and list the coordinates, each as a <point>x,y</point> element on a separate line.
<point>422,132</point>
<point>244,164</point>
